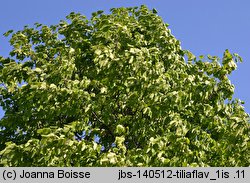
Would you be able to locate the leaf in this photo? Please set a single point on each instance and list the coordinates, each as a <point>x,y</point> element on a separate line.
<point>98,52</point>
<point>154,11</point>
<point>103,90</point>
<point>120,129</point>
<point>131,59</point>
<point>53,86</point>
<point>38,70</point>
<point>44,131</point>
<point>6,34</point>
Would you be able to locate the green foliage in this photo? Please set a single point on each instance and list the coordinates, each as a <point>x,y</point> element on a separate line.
<point>116,90</point>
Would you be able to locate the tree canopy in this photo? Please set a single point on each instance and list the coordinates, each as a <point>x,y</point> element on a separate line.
<point>117,90</point>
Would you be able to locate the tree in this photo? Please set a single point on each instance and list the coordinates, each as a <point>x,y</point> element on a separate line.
<point>117,90</point>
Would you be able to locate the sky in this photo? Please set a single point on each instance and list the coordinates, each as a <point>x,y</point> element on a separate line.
<point>203,27</point>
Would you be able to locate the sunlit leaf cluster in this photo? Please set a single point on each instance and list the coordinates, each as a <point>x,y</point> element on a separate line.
<point>117,90</point>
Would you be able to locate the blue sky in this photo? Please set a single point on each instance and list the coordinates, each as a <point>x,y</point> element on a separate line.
<point>203,27</point>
